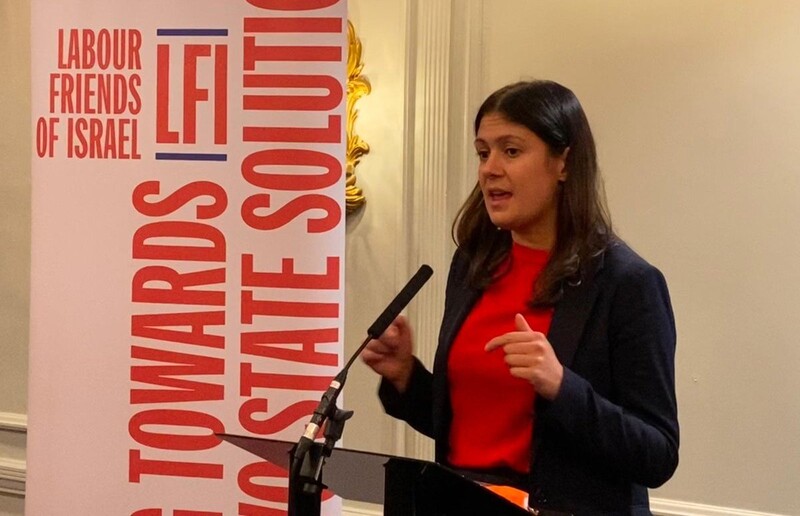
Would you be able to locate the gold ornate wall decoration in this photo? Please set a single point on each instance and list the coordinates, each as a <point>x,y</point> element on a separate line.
<point>357,87</point>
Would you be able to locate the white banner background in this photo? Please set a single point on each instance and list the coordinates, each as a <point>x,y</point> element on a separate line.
<point>103,393</point>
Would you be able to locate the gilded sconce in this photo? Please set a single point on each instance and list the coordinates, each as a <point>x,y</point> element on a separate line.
<point>357,87</point>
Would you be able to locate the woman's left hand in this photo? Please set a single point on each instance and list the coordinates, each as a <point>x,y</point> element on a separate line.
<point>530,356</point>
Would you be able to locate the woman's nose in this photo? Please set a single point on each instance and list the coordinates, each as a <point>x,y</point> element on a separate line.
<point>489,166</point>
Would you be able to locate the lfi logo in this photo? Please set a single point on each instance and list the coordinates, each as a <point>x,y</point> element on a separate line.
<point>195,88</point>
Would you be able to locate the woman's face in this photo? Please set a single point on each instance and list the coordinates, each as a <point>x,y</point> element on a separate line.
<point>519,178</point>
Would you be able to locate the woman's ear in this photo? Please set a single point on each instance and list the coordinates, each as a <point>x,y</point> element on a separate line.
<point>562,164</point>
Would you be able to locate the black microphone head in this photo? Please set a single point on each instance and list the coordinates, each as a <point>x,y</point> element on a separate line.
<point>400,301</point>
<point>425,272</point>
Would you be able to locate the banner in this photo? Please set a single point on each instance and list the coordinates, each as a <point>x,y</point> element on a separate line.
<point>188,241</point>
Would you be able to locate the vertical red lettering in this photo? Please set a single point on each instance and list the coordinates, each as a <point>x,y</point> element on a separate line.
<point>272,344</point>
<point>220,94</point>
<point>177,389</point>
<point>254,53</point>
<point>296,25</point>
<point>163,134</point>
<point>325,102</point>
<point>290,211</point>
<point>179,285</point>
<point>249,380</point>
<point>145,248</point>
<point>332,133</point>
<point>138,466</point>
<point>254,307</point>
<point>162,327</point>
<point>292,5</point>
<point>286,158</point>
<point>287,278</point>
<point>176,418</point>
<point>285,418</point>
<point>263,491</point>
<point>191,93</point>
<point>180,198</point>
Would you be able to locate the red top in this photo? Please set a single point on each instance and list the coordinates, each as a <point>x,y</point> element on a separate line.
<point>493,411</point>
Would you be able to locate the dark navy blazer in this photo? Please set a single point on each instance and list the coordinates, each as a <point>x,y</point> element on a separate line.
<point>612,430</point>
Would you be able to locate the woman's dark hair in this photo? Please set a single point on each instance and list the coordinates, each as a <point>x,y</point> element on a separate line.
<point>583,227</point>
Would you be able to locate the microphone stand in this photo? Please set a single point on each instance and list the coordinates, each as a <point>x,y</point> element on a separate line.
<point>307,456</point>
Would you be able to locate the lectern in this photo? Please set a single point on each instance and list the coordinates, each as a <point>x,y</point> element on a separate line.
<point>404,486</point>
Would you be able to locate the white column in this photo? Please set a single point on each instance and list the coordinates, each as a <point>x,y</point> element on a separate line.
<point>443,69</point>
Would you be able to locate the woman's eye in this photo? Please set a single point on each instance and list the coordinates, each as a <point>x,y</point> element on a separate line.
<point>512,152</point>
<point>483,155</point>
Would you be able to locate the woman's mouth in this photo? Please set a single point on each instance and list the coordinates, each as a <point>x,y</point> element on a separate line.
<point>496,196</point>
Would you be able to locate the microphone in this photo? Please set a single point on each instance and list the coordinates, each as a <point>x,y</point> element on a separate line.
<point>399,302</point>
<point>328,401</point>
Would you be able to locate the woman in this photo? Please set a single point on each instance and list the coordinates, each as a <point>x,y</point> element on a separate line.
<point>555,364</point>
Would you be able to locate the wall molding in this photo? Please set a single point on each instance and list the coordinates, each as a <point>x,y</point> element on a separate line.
<point>466,96</point>
<point>359,511</point>
<point>12,477</point>
<point>13,473</point>
<point>426,179</point>
<point>12,422</point>
<point>443,76</point>
<point>664,507</point>
<point>660,507</point>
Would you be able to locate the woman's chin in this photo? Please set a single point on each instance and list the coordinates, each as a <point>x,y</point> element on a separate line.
<point>500,222</point>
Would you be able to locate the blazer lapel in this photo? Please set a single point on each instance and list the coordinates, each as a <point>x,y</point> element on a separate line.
<point>571,314</point>
<point>466,300</point>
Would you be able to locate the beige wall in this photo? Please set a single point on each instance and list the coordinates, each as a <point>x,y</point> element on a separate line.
<point>375,258</point>
<point>696,108</point>
<point>14,203</point>
<point>14,241</point>
<point>694,105</point>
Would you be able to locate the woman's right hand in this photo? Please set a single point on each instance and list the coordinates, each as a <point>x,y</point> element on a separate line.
<point>391,355</point>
